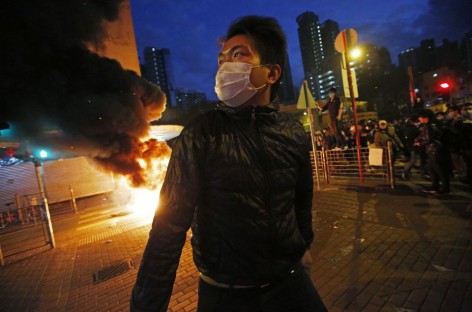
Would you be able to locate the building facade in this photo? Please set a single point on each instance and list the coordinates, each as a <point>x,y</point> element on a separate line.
<point>158,69</point>
<point>321,61</point>
<point>311,47</point>
<point>185,100</point>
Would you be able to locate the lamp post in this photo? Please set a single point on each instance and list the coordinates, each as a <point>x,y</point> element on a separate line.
<point>343,43</point>
<point>38,166</point>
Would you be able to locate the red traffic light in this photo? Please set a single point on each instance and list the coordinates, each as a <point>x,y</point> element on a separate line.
<point>444,85</point>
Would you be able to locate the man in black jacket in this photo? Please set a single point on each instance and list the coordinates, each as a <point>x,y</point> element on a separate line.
<point>335,110</point>
<point>241,177</point>
<point>430,138</point>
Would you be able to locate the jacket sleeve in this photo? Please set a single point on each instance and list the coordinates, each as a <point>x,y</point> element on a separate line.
<point>172,220</point>
<point>304,195</point>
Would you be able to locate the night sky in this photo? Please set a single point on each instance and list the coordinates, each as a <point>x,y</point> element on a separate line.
<point>190,28</point>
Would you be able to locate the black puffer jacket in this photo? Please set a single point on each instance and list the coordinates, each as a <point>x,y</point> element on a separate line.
<point>242,178</point>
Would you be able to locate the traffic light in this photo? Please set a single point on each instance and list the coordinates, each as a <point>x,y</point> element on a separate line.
<point>444,90</point>
<point>444,85</point>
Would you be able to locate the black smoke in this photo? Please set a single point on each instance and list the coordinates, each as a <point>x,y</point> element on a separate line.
<point>53,90</point>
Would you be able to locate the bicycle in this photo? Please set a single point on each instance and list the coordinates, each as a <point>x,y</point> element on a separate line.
<point>10,217</point>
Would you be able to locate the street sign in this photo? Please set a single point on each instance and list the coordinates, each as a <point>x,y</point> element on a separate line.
<point>340,45</point>
<point>305,100</point>
<point>347,93</point>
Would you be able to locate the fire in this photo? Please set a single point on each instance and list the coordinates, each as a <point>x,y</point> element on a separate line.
<point>140,187</point>
<point>144,198</point>
<point>143,203</point>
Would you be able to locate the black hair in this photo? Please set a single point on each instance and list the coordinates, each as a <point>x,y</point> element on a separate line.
<point>268,38</point>
<point>332,89</point>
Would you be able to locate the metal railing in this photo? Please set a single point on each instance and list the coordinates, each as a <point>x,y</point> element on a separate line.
<point>358,162</point>
<point>27,228</point>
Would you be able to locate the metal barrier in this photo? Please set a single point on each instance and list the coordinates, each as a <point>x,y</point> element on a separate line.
<point>27,226</point>
<point>358,162</point>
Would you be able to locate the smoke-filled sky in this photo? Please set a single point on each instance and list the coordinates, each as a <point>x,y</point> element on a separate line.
<point>190,28</point>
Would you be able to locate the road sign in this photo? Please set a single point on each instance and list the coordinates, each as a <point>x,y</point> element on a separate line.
<point>305,100</point>
<point>342,46</point>
<point>347,92</point>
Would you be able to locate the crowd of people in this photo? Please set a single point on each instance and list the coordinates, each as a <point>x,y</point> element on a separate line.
<point>438,144</point>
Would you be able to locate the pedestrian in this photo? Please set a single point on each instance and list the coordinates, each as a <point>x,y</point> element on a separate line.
<point>241,177</point>
<point>454,136</point>
<point>464,127</point>
<point>334,108</point>
<point>328,139</point>
<point>411,133</point>
<point>437,155</point>
<point>386,133</point>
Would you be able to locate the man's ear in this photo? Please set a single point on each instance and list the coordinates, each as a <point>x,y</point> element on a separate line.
<point>274,74</point>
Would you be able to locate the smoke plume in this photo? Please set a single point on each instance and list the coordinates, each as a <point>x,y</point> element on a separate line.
<point>54,91</point>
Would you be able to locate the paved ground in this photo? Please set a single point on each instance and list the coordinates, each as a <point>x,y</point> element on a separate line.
<point>376,249</point>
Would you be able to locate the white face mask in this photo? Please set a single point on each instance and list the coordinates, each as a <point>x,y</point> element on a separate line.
<point>233,85</point>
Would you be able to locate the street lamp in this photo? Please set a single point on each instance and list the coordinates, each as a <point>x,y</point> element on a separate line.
<point>356,53</point>
<point>43,154</point>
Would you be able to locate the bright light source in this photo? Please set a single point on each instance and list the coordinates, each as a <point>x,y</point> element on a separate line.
<point>43,154</point>
<point>355,53</point>
<point>444,85</point>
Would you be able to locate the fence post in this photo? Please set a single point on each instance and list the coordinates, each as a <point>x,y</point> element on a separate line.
<point>391,174</point>
<point>72,199</point>
<point>21,210</point>
<point>327,174</point>
<point>39,176</point>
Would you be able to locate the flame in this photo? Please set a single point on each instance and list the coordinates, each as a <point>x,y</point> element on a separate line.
<point>143,197</point>
<point>143,203</point>
<point>149,157</point>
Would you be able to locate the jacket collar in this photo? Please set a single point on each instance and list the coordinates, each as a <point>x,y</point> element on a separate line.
<point>247,110</point>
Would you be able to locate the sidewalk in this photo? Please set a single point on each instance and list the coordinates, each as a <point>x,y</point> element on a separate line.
<point>376,249</point>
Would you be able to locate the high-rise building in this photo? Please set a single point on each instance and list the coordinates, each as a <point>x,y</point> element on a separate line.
<point>421,59</point>
<point>321,61</point>
<point>330,75</point>
<point>309,35</point>
<point>158,69</point>
<point>408,58</point>
<point>188,99</point>
<point>329,32</point>
<point>286,92</point>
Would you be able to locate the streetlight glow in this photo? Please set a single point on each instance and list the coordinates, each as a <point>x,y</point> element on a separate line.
<point>43,154</point>
<point>355,53</point>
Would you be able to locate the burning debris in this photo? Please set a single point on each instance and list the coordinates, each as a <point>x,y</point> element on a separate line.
<point>55,91</point>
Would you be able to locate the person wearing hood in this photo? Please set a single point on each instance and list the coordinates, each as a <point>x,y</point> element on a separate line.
<point>240,176</point>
